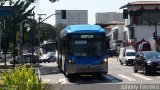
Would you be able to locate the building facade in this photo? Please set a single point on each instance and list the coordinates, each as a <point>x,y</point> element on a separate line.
<point>116,34</point>
<point>103,18</point>
<point>72,17</point>
<point>142,19</point>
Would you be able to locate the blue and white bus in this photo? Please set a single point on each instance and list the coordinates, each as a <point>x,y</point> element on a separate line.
<point>82,49</point>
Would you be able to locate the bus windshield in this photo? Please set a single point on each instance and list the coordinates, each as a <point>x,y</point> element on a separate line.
<point>86,48</point>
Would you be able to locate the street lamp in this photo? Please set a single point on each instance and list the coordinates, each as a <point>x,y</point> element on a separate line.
<point>39,21</point>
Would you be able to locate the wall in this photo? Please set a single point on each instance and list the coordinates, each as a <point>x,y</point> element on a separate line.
<point>145,31</point>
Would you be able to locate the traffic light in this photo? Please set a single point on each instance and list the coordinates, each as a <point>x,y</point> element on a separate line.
<point>125,14</point>
<point>63,14</point>
<point>154,36</point>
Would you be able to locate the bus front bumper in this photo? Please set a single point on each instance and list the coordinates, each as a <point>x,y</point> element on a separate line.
<point>101,68</point>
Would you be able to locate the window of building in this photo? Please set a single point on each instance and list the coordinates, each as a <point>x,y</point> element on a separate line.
<point>146,18</point>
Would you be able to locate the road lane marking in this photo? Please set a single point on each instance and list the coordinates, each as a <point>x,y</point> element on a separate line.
<point>126,77</point>
<point>141,76</point>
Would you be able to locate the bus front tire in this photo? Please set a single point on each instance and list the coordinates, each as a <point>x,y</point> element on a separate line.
<point>67,74</point>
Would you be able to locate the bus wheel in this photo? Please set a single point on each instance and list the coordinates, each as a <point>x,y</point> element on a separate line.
<point>66,73</point>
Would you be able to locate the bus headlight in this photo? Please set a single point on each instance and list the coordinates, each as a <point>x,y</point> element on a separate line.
<point>70,61</point>
<point>105,60</point>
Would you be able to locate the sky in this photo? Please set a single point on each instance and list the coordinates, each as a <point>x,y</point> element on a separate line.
<point>93,6</point>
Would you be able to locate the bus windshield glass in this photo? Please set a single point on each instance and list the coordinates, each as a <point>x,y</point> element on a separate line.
<point>86,48</point>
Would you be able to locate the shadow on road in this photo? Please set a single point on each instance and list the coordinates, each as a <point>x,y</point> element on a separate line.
<point>78,79</point>
<point>153,74</point>
<point>48,70</point>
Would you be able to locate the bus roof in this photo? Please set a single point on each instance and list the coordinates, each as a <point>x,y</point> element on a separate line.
<point>83,28</point>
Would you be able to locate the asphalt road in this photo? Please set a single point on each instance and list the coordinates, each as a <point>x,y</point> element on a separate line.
<point>118,78</point>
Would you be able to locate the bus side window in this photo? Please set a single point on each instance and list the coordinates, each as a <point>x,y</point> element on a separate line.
<point>64,43</point>
<point>69,49</point>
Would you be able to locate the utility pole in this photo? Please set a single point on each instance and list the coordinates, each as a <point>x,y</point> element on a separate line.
<point>155,25</point>
<point>14,35</point>
<point>4,45</point>
<point>33,32</point>
<point>39,32</point>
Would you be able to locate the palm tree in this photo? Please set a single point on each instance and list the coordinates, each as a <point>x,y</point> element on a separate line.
<point>2,2</point>
<point>38,0</point>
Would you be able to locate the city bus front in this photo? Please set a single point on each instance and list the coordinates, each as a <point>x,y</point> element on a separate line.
<point>86,54</point>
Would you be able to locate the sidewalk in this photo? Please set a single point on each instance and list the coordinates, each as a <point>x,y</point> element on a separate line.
<point>10,66</point>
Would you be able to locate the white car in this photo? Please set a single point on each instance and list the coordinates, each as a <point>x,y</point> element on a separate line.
<point>49,57</point>
<point>127,56</point>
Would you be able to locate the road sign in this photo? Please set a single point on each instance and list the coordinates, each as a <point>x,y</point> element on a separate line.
<point>6,10</point>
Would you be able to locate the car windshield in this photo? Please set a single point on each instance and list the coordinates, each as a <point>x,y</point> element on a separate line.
<point>51,53</point>
<point>130,54</point>
<point>153,55</point>
<point>45,55</point>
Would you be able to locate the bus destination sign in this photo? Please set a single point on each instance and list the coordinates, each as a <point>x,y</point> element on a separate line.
<point>87,36</point>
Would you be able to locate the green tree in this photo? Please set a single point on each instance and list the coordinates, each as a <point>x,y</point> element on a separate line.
<point>21,14</point>
<point>59,27</point>
<point>38,0</point>
<point>47,32</point>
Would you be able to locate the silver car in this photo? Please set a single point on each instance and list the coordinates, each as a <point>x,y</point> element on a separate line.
<point>48,57</point>
<point>25,58</point>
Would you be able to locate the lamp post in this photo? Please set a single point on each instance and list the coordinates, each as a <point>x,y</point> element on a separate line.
<point>39,21</point>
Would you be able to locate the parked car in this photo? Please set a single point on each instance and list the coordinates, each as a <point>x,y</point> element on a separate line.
<point>26,58</point>
<point>52,56</point>
<point>147,61</point>
<point>144,46</point>
<point>49,57</point>
<point>112,52</point>
<point>127,56</point>
<point>121,53</point>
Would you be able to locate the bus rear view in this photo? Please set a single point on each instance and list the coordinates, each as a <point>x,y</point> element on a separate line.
<point>82,49</point>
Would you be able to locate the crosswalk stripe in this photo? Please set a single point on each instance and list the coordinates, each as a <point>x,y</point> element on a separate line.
<point>126,77</point>
<point>141,76</point>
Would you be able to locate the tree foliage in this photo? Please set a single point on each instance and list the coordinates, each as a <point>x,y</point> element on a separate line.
<point>59,27</point>
<point>47,32</point>
<point>21,15</point>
